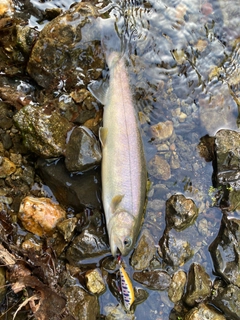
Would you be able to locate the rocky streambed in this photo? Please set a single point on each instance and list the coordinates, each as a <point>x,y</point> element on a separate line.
<point>54,250</point>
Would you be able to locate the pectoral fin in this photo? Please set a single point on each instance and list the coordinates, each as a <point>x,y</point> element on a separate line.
<point>103,135</point>
<point>115,202</point>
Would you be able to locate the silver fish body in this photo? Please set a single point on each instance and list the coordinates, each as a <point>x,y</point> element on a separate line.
<point>124,174</point>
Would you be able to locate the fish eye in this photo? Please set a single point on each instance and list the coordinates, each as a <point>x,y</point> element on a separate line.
<point>127,242</point>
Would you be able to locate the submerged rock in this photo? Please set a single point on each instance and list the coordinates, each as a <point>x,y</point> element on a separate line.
<point>155,279</point>
<point>225,250</point>
<point>162,130</point>
<point>228,301</point>
<point>144,251</point>
<point>213,111</point>
<point>65,47</point>
<point>230,14</point>
<point>73,190</point>
<point>83,150</point>
<point>159,168</point>
<point>40,215</point>
<point>198,285</point>
<point>203,312</point>
<point>180,212</point>
<point>44,131</point>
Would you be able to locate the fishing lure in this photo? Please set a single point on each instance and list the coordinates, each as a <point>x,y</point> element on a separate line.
<point>126,287</point>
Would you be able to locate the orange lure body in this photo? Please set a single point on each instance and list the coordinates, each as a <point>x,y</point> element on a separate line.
<point>127,288</point>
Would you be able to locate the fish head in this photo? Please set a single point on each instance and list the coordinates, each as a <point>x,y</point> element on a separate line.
<point>121,232</point>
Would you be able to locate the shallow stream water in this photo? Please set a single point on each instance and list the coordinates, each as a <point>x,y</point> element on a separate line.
<point>183,62</point>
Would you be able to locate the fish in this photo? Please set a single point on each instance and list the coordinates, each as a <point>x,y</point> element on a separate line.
<point>124,173</point>
<point>126,288</point>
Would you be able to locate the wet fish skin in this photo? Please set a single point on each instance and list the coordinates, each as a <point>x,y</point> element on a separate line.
<point>124,173</point>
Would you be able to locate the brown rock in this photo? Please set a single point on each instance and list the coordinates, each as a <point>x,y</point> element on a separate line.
<point>159,168</point>
<point>203,312</point>
<point>7,167</point>
<point>6,6</point>
<point>162,130</point>
<point>40,215</point>
<point>95,282</point>
<point>177,284</point>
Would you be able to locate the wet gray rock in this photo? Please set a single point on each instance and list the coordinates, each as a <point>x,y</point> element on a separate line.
<point>180,212</point>
<point>175,246</point>
<point>144,251</point>
<point>228,157</point>
<point>225,250</point>
<point>89,244</point>
<point>155,279</point>
<point>76,191</point>
<point>175,249</point>
<point>81,304</point>
<point>83,150</point>
<point>176,287</point>
<point>44,131</point>
<point>92,242</point>
<point>198,285</point>
<point>228,301</point>
<point>66,227</point>
<point>203,312</point>
<point>66,53</point>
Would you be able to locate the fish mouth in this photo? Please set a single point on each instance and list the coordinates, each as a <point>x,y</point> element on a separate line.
<point>115,251</point>
<point>114,248</point>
